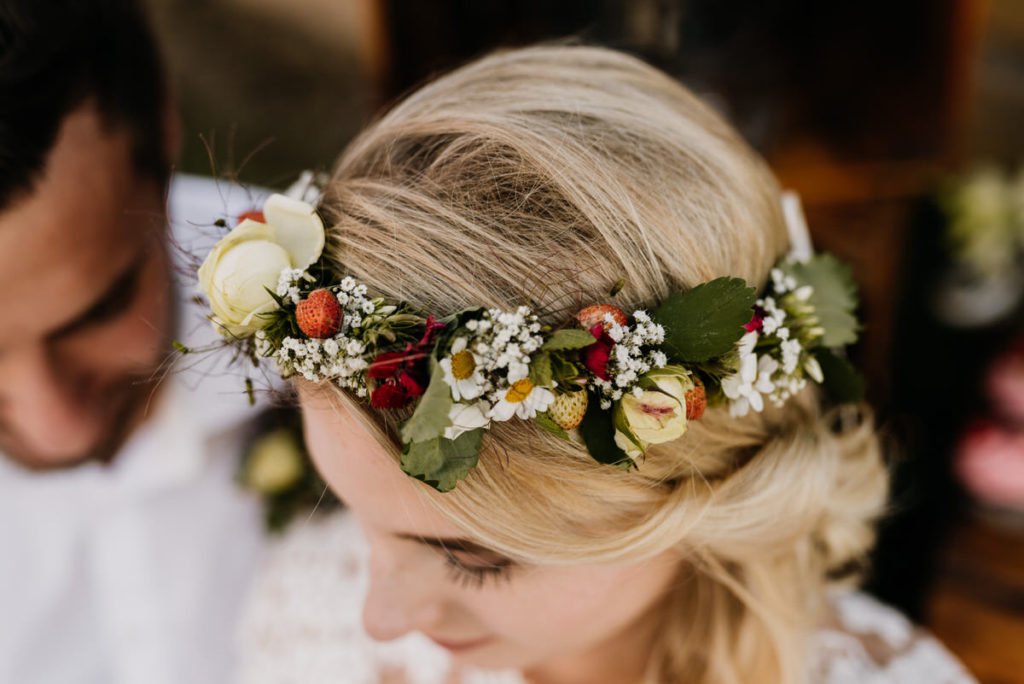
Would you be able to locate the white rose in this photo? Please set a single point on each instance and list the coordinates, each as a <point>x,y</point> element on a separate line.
<point>248,261</point>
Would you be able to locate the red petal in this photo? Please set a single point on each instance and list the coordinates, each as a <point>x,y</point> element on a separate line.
<point>388,396</point>
<point>410,385</point>
<point>386,365</point>
<point>595,358</point>
<point>756,322</point>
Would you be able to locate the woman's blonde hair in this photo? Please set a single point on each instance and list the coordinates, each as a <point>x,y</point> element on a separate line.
<point>541,177</point>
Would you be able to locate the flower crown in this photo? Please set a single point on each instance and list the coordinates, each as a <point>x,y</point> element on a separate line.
<point>614,382</point>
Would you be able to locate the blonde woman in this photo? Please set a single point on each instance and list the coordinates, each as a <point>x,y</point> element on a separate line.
<point>580,184</point>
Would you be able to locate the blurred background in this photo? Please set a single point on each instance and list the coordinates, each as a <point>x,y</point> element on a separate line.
<point>901,124</point>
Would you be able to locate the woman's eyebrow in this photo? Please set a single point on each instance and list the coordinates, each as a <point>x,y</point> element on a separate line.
<point>450,544</point>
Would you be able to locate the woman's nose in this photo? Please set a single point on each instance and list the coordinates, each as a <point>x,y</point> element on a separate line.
<point>399,599</point>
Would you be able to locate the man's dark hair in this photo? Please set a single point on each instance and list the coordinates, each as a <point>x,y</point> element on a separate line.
<point>55,55</point>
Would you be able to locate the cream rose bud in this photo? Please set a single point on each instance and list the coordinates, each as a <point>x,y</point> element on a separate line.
<point>243,268</point>
<point>657,414</point>
<point>275,463</point>
<point>628,444</point>
<point>654,417</point>
<point>672,380</point>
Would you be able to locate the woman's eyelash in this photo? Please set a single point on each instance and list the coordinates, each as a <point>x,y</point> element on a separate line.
<point>475,576</point>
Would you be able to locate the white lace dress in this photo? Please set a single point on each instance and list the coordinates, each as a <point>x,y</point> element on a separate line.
<point>303,625</point>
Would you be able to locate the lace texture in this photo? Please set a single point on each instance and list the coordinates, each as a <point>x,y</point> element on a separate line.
<point>303,624</point>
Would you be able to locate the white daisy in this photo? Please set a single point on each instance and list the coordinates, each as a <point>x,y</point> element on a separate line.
<point>462,372</point>
<point>521,399</point>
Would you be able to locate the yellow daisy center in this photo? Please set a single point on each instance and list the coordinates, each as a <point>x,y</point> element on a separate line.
<point>463,365</point>
<point>519,391</point>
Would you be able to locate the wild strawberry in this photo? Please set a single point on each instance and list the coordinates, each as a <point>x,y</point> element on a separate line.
<point>568,409</point>
<point>595,313</point>
<point>696,401</point>
<point>319,315</point>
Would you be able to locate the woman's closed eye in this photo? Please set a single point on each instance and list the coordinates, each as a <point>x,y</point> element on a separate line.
<point>475,568</point>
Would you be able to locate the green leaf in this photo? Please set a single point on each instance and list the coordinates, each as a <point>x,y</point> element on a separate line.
<point>843,384</point>
<point>598,433</point>
<point>540,370</point>
<point>442,463</point>
<point>834,298</point>
<point>545,421</point>
<point>562,369</point>
<point>431,416</point>
<point>706,321</point>
<point>569,338</point>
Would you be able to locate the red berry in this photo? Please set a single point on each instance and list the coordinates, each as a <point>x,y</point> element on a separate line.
<point>596,313</point>
<point>696,401</point>
<point>252,215</point>
<point>319,315</point>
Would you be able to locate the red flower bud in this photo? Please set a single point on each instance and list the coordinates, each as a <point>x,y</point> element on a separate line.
<point>756,321</point>
<point>596,356</point>
<point>388,396</point>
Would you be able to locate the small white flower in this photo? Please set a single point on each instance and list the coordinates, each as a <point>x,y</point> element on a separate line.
<point>465,418</point>
<point>745,388</point>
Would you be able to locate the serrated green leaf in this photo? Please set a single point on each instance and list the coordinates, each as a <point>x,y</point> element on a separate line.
<point>569,338</point>
<point>545,421</point>
<point>598,433</point>
<point>834,298</point>
<point>706,321</point>
<point>442,463</point>
<point>431,416</point>
<point>540,370</point>
<point>843,384</point>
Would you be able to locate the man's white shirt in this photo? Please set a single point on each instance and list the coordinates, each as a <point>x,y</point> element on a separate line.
<point>135,572</point>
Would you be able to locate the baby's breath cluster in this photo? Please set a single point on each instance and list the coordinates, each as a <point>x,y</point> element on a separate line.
<point>635,353</point>
<point>291,283</point>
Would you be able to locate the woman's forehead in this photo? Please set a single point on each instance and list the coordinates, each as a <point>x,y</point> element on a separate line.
<point>363,474</point>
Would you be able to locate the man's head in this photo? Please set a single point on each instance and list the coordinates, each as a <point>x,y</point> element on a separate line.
<point>84,273</point>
